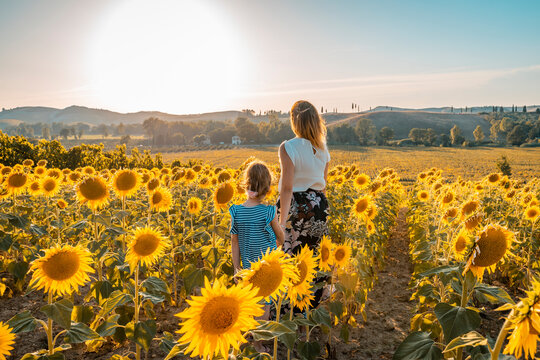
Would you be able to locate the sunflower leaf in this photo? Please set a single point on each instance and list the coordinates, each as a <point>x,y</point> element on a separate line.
<point>456,320</point>
<point>22,322</point>
<point>271,329</point>
<point>446,269</point>
<point>116,299</point>
<point>418,346</point>
<point>141,333</point>
<point>79,333</point>
<point>108,327</point>
<point>82,313</point>
<point>469,339</point>
<point>492,294</point>
<point>59,312</point>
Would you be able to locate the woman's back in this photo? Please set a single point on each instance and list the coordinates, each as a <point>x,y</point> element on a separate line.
<point>309,164</point>
<point>255,234</point>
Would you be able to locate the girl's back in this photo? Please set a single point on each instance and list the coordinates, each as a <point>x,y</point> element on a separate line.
<point>255,234</point>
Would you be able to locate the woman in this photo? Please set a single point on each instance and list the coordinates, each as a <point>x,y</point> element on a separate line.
<point>302,204</point>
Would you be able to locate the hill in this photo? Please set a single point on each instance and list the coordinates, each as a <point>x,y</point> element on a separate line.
<point>81,114</point>
<point>403,121</point>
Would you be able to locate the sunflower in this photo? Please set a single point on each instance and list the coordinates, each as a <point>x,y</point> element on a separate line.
<point>271,274</point>
<point>478,188</point>
<point>223,194</point>
<point>338,180</point>
<point>325,258</point>
<point>28,163</point>
<point>532,213</point>
<point>146,245</point>
<point>126,182</point>
<point>190,175</point>
<point>493,178</point>
<point>450,215</point>
<point>152,184</point>
<point>194,205</point>
<point>472,222</point>
<point>224,176</point>
<point>145,176</point>
<point>61,203</point>
<point>49,186</point>
<point>341,254</point>
<point>375,186</point>
<point>5,170</point>
<point>361,181</point>
<point>34,188</point>
<point>469,208</point>
<point>88,170</point>
<point>42,162</point>
<point>7,338</point>
<point>300,290</point>
<point>93,191</point>
<point>39,171</point>
<point>370,227</point>
<point>215,321</point>
<point>55,173</point>
<point>447,198</point>
<point>74,177</point>
<point>525,325</point>
<point>490,247</point>
<point>371,211</point>
<point>361,206</point>
<point>423,195</point>
<point>204,182</point>
<point>62,269</point>
<point>16,182</point>
<point>461,244</point>
<point>160,199</point>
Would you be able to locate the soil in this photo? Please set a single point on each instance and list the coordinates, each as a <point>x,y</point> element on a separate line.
<point>388,314</point>
<point>388,307</point>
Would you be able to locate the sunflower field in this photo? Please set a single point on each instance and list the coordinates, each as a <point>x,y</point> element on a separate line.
<point>135,263</point>
<point>475,247</point>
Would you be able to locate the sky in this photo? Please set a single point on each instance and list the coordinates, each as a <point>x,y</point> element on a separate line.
<point>193,56</point>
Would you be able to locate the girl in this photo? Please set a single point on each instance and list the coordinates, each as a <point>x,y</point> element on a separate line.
<point>302,204</point>
<point>254,226</point>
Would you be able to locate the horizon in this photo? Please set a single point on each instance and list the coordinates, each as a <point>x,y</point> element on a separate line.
<point>192,57</point>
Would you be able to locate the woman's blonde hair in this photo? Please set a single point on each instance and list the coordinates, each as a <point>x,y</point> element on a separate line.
<point>257,177</point>
<point>306,123</point>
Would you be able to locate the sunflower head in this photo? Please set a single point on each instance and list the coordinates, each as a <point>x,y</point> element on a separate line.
<point>469,207</point>
<point>216,320</point>
<point>493,178</point>
<point>325,257</point>
<point>7,339</point>
<point>491,246</point>
<point>532,213</point>
<point>62,269</point>
<point>190,175</point>
<point>361,181</point>
<point>28,163</point>
<point>194,205</point>
<point>146,246</point>
<point>55,173</point>
<point>152,184</point>
<point>42,162</point>
<point>423,195</point>
<point>300,291</point>
<point>223,194</point>
<point>88,170</point>
<point>160,199</point>
<point>473,222</point>
<point>450,215</point>
<point>34,188</point>
<point>361,206</point>
<point>461,244</point>
<point>224,176</point>
<point>341,254</point>
<point>126,182</point>
<point>61,204</point>
<point>447,198</point>
<point>16,182</point>
<point>49,186</point>
<point>271,275</point>
<point>93,192</point>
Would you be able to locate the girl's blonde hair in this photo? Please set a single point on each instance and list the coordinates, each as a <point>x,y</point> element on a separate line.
<point>306,123</point>
<point>257,177</point>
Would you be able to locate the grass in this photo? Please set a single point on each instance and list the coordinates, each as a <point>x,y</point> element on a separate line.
<point>466,162</point>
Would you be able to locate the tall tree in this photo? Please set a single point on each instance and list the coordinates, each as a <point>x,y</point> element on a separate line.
<point>386,134</point>
<point>478,134</point>
<point>455,135</point>
<point>365,130</point>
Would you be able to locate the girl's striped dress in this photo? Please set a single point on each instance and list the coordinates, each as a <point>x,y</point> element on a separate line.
<point>255,234</point>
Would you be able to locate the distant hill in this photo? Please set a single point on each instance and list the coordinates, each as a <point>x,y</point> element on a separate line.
<point>403,121</point>
<point>75,114</point>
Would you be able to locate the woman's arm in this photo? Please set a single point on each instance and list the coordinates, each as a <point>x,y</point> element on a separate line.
<point>280,236</point>
<point>326,177</point>
<point>235,249</point>
<point>287,177</point>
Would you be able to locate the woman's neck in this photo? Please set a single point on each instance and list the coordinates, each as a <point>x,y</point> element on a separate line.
<point>252,202</point>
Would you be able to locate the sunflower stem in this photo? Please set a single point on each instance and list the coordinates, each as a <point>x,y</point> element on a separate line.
<point>169,222</point>
<point>136,316</point>
<point>96,236</point>
<point>500,339</point>
<point>124,224</point>
<point>49,327</point>
<point>289,350</point>
<point>278,313</point>
<point>58,223</point>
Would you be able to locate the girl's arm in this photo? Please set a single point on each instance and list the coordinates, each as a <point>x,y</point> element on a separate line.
<point>287,176</point>
<point>235,249</point>
<point>280,236</point>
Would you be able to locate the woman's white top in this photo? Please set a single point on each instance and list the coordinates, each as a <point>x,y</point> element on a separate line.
<point>309,164</point>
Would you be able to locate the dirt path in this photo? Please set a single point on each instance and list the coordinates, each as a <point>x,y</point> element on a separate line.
<point>388,307</point>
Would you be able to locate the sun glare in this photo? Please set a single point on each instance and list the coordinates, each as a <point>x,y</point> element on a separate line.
<point>174,56</point>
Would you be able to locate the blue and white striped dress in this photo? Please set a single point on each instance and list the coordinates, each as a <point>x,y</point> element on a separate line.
<point>255,234</point>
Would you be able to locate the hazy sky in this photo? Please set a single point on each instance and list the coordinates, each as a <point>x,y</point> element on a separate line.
<point>189,56</point>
